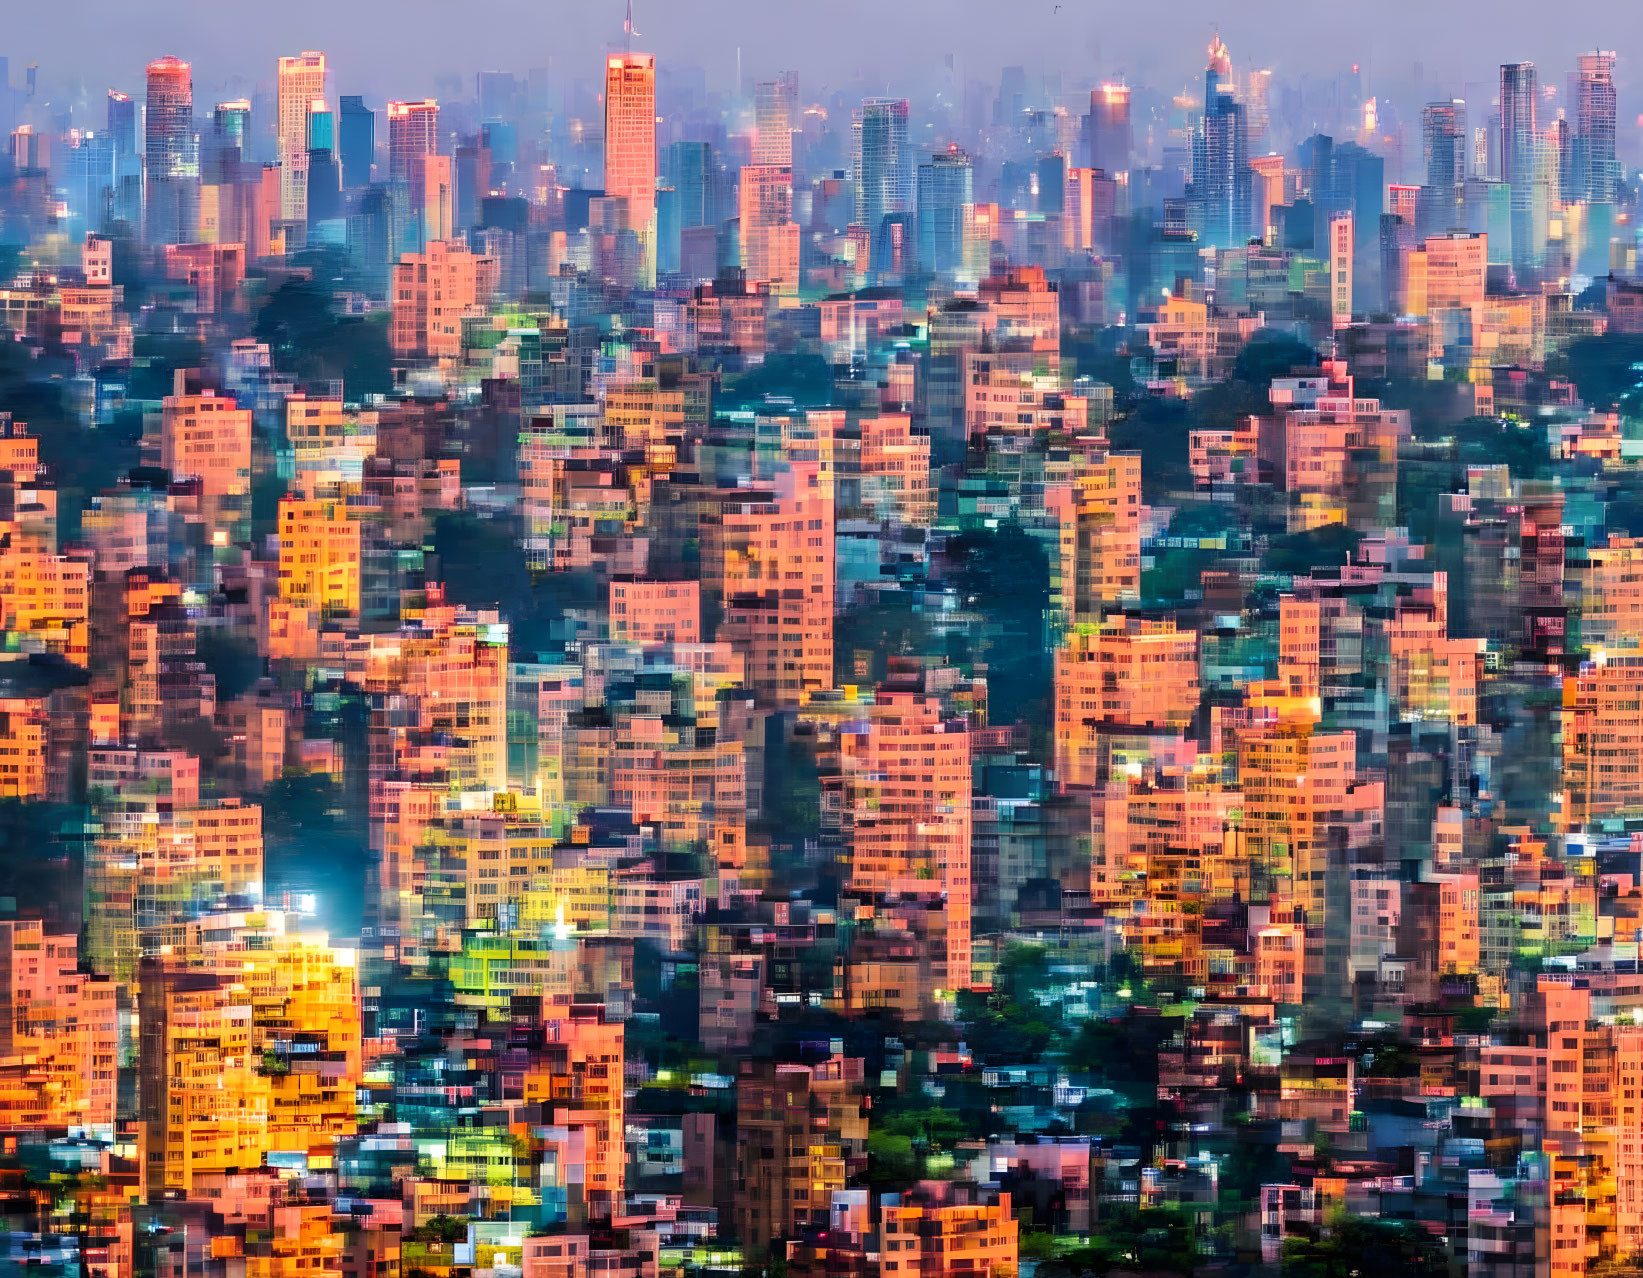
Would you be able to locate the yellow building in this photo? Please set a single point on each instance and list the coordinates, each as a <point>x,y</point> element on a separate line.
<point>319,556</point>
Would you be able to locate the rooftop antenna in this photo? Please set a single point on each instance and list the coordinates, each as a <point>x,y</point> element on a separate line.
<point>627,27</point>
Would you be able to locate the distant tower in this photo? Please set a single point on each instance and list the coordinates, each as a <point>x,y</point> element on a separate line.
<point>170,118</point>
<point>630,143</point>
<point>1521,163</point>
<point>945,187</point>
<point>1222,199</point>
<point>1599,171</point>
<point>173,165</point>
<point>773,122</point>
<point>356,140</point>
<point>413,132</point>
<point>128,161</point>
<point>883,161</point>
<point>413,138</point>
<point>1107,131</point>
<point>301,82</point>
<point>1445,145</point>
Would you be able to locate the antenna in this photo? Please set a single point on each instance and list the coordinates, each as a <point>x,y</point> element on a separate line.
<point>627,27</point>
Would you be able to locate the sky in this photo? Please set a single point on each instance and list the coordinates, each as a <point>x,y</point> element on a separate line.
<point>402,48</point>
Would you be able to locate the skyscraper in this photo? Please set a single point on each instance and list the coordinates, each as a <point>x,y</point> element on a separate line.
<point>1597,170</point>
<point>1107,132</point>
<point>128,161</point>
<point>773,122</point>
<point>413,132</point>
<point>1222,198</point>
<point>301,82</point>
<point>356,130</point>
<point>883,161</point>
<point>945,186</point>
<point>169,119</point>
<point>1445,145</point>
<point>413,136</point>
<point>172,162</point>
<point>1519,91</point>
<point>630,144</point>
<point>323,177</point>
<point>1522,164</point>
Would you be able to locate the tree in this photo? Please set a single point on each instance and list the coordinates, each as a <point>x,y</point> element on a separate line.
<point>1358,1247</point>
<point>806,379</point>
<point>300,324</point>
<point>1003,575</point>
<point>1009,1026</point>
<point>1304,552</point>
<point>1602,368</point>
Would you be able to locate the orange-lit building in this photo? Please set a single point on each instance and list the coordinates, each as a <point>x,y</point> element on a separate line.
<point>1603,738</point>
<point>655,611</point>
<point>767,560</point>
<point>432,291</point>
<point>630,144</point>
<point>208,436</point>
<point>1122,675</point>
<point>801,1133</point>
<point>59,1035</point>
<point>319,556</point>
<point>930,1233</point>
<point>907,787</point>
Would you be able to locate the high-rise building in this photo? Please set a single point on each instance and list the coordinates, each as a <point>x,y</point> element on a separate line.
<point>413,137</point>
<point>630,145</point>
<point>413,132</point>
<point>356,140</point>
<point>1521,165</point>
<point>169,118</point>
<point>128,161</point>
<point>1107,132</point>
<point>171,159</point>
<point>945,186</point>
<point>1222,196</point>
<point>1597,170</point>
<point>1445,147</point>
<point>773,122</point>
<point>883,162</point>
<point>769,235</point>
<point>301,82</point>
<point>1444,143</point>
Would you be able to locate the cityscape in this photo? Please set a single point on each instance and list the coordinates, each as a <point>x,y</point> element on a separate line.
<point>867,661</point>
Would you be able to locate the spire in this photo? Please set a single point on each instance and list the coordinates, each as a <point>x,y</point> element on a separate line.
<point>1220,61</point>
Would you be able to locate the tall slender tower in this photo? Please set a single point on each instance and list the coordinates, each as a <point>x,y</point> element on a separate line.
<point>1519,91</point>
<point>1222,198</point>
<point>169,118</point>
<point>171,158</point>
<point>413,144</point>
<point>1446,147</point>
<point>630,144</point>
<point>1598,170</point>
<point>884,162</point>
<point>773,122</point>
<point>1521,162</point>
<point>128,160</point>
<point>301,82</point>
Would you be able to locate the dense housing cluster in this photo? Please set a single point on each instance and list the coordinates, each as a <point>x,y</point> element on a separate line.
<point>604,683</point>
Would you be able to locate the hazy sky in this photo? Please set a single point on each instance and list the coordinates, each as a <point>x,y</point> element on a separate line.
<point>400,47</point>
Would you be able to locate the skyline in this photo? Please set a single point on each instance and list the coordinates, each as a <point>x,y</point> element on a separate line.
<point>1048,38</point>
